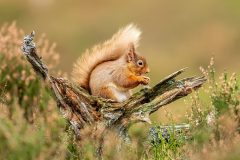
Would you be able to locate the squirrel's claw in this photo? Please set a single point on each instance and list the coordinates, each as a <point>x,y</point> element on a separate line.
<point>145,80</point>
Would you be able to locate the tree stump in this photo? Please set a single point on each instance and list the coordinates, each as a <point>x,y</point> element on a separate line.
<point>82,109</point>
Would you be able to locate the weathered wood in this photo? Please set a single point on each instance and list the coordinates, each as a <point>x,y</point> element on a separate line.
<point>82,109</point>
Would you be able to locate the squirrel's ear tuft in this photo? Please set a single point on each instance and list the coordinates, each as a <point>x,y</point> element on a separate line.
<point>131,52</point>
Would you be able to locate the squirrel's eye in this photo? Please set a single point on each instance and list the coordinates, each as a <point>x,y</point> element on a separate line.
<point>140,62</point>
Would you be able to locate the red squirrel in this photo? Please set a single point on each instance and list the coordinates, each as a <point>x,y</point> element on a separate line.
<point>111,69</point>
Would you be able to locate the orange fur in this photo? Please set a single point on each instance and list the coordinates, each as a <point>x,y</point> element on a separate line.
<point>112,69</point>
<point>110,50</point>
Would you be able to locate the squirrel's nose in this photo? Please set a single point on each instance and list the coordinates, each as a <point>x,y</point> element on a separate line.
<point>148,70</point>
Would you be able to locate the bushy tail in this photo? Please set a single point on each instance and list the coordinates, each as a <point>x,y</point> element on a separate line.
<point>109,50</point>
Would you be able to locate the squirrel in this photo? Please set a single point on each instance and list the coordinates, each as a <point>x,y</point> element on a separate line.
<point>111,69</point>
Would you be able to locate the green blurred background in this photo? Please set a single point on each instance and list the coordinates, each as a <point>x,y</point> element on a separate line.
<point>176,34</point>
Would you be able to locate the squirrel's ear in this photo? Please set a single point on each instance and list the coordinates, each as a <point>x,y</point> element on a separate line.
<point>131,52</point>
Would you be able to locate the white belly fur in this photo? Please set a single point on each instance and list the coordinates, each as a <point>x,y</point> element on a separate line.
<point>120,94</point>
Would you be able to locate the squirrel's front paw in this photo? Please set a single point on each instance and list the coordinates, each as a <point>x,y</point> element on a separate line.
<point>145,80</point>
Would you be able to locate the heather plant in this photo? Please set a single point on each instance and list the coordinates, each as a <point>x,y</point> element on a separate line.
<point>45,139</point>
<point>224,93</point>
<point>18,80</point>
<point>165,142</point>
<point>24,99</point>
<point>215,122</point>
